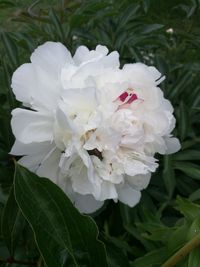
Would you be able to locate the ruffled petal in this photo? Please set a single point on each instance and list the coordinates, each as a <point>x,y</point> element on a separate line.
<point>83,54</point>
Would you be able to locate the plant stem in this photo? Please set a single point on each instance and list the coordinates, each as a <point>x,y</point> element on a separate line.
<point>12,261</point>
<point>184,251</point>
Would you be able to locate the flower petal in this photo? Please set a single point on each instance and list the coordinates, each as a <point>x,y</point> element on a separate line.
<point>35,87</point>
<point>139,181</point>
<point>173,145</point>
<point>128,195</point>
<point>30,126</point>
<point>20,148</point>
<point>51,57</point>
<point>87,203</point>
<point>49,167</point>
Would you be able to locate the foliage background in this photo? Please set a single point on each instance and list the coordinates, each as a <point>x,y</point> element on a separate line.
<point>168,215</point>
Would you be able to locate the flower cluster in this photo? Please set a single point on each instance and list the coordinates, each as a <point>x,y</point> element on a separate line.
<point>91,127</point>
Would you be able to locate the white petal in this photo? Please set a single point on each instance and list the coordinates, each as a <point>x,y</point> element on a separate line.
<point>138,182</point>
<point>20,148</point>
<point>51,57</point>
<point>87,203</point>
<point>30,126</point>
<point>32,162</point>
<point>35,87</point>
<point>83,54</point>
<point>79,178</point>
<point>128,195</point>
<point>173,145</point>
<point>49,167</point>
<point>134,167</point>
<point>80,101</point>
<point>108,191</point>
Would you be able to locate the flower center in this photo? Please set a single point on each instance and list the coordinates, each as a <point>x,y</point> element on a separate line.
<point>128,97</point>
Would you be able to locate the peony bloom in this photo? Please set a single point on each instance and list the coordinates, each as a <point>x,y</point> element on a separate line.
<point>88,125</point>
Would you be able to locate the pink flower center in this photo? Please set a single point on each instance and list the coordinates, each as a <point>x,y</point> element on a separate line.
<point>129,98</point>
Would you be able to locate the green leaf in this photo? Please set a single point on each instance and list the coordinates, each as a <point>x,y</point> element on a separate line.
<point>194,229</point>
<point>150,28</point>
<point>12,222</point>
<point>169,176</point>
<point>57,25</point>
<point>11,48</point>
<point>189,209</point>
<point>195,195</point>
<point>64,236</point>
<point>188,154</point>
<point>178,237</point>
<point>183,121</point>
<point>116,257</point>
<point>192,170</point>
<point>194,258</point>
<point>151,259</point>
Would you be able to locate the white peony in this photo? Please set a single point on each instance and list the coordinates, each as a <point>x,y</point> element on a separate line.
<point>90,126</point>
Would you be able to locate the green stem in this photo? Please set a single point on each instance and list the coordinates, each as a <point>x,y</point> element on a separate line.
<point>184,251</point>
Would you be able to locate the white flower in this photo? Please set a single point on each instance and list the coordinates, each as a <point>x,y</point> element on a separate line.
<point>90,126</point>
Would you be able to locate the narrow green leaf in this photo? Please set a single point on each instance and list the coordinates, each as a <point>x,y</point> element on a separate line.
<point>183,122</point>
<point>11,49</point>
<point>194,258</point>
<point>169,176</point>
<point>57,25</point>
<point>187,154</point>
<point>151,27</point>
<point>192,170</point>
<point>64,236</point>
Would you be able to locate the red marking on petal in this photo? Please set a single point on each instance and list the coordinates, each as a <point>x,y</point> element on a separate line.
<point>132,98</point>
<point>123,96</point>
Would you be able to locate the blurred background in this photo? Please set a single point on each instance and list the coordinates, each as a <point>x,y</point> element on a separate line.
<point>165,34</point>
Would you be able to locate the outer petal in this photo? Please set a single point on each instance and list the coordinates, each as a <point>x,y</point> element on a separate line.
<point>35,87</point>
<point>83,54</point>
<point>108,191</point>
<point>33,161</point>
<point>20,148</point>
<point>128,195</point>
<point>51,57</point>
<point>138,182</point>
<point>30,126</point>
<point>84,203</point>
<point>49,167</point>
<point>87,203</point>
<point>173,145</point>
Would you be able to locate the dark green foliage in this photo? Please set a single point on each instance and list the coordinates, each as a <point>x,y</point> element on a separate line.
<point>168,215</point>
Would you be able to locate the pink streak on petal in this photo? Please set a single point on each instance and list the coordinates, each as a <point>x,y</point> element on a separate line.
<point>123,96</point>
<point>132,98</point>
